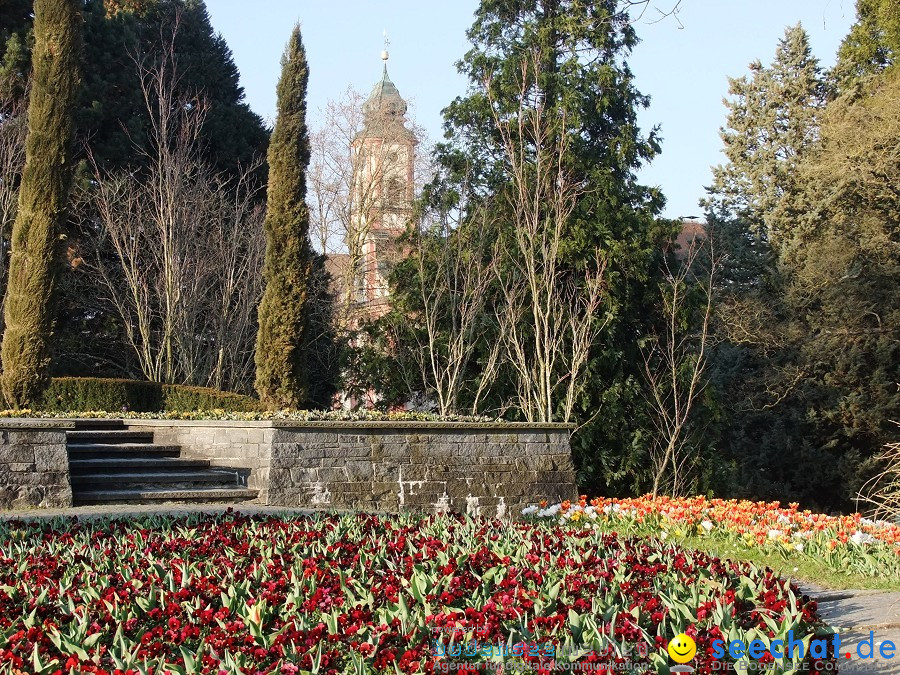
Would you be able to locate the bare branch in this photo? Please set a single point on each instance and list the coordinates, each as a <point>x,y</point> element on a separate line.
<point>179,247</point>
<point>13,129</point>
<point>549,315</point>
<point>358,182</point>
<point>675,361</point>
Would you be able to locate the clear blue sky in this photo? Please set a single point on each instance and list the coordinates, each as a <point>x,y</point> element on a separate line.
<point>682,64</point>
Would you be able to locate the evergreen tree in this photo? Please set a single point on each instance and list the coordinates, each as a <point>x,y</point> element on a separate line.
<point>111,114</point>
<point>872,45</point>
<point>844,274</point>
<point>585,88</point>
<point>772,120</point>
<point>15,24</point>
<point>281,359</point>
<point>42,199</point>
<point>806,368</point>
<point>112,121</point>
<point>233,134</point>
<point>772,124</point>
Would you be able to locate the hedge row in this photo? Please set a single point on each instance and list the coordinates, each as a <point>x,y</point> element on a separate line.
<point>91,393</point>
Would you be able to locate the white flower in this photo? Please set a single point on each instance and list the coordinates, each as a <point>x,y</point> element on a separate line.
<point>528,510</point>
<point>860,538</point>
<point>550,511</point>
<point>798,547</point>
<point>774,534</point>
<point>706,525</point>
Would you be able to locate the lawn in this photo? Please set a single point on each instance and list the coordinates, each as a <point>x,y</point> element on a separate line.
<point>836,552</point>
<point>355,593</point>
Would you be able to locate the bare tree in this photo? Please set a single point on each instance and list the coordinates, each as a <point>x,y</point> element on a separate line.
<point>881,493</point>
<point>239,249</point>
<point>13,129</point>
<point>675,359</point>
<point>330,175</point>
<point>354,165</point>
<point>548,317</point>
<point>454,281</point>
<point>216,328</point>
<point>636,10</point>
<point>179,247</point>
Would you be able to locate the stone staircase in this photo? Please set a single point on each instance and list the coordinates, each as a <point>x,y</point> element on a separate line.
<point>110,464</point>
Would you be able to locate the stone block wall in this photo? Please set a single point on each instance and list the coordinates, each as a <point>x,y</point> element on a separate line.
<point>489,472</point>
<point>386,466</point>
<point>34,466</point>
<point>241,445</point>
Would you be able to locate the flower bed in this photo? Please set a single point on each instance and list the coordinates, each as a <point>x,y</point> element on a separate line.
<point>849,544</point>
<point>358,593</point>
<point>251,416</point>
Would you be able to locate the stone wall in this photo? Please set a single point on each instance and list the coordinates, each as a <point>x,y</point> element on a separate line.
<point>235,444</point>
<point>386,466</point>
<point>34,465</point>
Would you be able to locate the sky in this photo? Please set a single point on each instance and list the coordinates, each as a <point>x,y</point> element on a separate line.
<point>682,62</point>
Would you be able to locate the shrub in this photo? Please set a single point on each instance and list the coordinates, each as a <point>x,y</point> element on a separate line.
<point>258,416</point>
<point>89,393</point>
<point>882,492</point>
<point>181,398</point>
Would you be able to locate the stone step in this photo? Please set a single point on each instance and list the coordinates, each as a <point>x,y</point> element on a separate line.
<point>163,495</point>
<point>130,464</point>
<point>107,436</point>
<point>155,479</point>
<point>84,424</point>
<point>137,450</point>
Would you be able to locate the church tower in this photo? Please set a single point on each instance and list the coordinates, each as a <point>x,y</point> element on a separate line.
<point>383,157</point>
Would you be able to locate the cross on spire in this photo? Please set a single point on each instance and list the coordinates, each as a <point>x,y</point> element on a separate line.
<point>384,54</point>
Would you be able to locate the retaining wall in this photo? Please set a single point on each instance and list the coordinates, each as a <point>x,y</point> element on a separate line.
<point>487,469</point>
<point>34,465</point>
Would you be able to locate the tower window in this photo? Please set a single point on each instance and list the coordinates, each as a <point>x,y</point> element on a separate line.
<point>395,191</point>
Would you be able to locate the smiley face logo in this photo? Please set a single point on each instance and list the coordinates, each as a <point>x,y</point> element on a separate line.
<point>682,648</point>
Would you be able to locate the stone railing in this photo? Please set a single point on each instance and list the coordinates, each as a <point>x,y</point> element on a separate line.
<point>489,469</point>
<point>34,465</point>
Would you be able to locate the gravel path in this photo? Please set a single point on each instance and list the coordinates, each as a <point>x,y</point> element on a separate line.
<point>862,617</point>
<point>124,510</point>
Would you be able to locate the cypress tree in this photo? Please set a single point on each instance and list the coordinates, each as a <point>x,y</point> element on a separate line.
<point>280,343</point>
<point>43,198</point>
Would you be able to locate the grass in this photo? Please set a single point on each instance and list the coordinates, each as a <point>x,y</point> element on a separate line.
<point>800,568</point>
